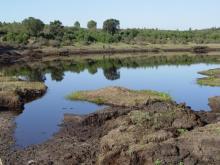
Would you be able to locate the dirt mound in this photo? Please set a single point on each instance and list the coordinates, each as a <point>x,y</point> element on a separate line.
<point>116,135</point>
<point>135,137</point>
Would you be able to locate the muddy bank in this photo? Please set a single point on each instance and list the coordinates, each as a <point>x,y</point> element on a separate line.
<point>156,132</point>
<point>159,132</point>
<point>7,126</point>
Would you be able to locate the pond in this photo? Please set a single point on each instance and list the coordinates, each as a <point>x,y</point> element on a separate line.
<point>41,118</point>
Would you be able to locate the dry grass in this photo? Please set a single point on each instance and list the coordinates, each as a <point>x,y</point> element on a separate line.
<point>21,85</point>
<point>119,96</point>
<point>9,99</point>
<point>9,86</point>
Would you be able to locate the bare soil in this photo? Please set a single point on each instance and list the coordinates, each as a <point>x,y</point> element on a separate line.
<point>161,132</point>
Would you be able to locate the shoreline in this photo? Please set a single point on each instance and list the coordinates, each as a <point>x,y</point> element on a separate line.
<point>10,55</point>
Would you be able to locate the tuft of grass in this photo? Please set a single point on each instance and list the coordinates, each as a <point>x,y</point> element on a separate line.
<point>181,163</point>
<point>157,162</point>
<point>75,96</point>
<point>181,131</point>
<point>80,95</point>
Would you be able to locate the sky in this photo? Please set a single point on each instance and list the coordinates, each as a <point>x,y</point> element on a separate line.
<point>161,14</point>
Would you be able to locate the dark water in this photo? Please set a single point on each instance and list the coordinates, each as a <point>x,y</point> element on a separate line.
<point>41,118</point>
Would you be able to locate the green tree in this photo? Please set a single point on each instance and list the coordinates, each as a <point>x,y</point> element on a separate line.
<point>56,29</point>
<point>77,24</point>
<point>111,26</point>
<point>92,24</point>
<point>33,26</point>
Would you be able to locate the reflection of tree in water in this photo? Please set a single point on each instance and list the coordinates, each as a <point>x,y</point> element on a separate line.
<point>33,75</point>
<point>37,75</point>
<point>111,73</point>
<point>57,74</point>
<point>92,70</point>
<point>110,66</point>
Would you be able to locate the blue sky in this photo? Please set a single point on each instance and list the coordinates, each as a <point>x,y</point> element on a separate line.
<point>162,14</point>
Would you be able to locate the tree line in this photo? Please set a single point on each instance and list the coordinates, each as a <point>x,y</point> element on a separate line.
<point>33,31</point>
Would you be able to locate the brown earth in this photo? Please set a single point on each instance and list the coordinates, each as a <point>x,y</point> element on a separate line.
<point>7,126</point>
<point>161,132</point>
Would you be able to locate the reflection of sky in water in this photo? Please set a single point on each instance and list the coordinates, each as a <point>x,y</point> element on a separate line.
<point>41,118</point>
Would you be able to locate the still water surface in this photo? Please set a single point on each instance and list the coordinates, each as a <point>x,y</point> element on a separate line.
<point>41,118</point>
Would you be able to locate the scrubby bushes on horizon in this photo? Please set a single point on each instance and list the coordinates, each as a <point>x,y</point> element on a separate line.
<point>31,29</point>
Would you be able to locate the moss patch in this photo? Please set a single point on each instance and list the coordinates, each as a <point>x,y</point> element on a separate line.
<point>119,96</point>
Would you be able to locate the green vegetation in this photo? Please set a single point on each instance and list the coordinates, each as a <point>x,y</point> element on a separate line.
<point>33,26</point>
<point>157,162</point>
<point>119,96</point>
<point>34,32</point>
<point>80,96</point>
<point>77,25</point>
<point>181,163</point>
<point>92,25</point>
<point>213,78</point>
<point>111,26</point>
<point>181,131</point>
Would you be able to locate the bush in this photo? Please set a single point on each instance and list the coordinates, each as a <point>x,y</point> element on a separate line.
<point>21,38</point>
